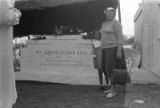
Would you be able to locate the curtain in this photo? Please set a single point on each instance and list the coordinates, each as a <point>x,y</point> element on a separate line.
<point>8,94</point>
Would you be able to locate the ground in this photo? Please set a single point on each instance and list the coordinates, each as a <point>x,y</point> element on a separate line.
<point>54,95</point>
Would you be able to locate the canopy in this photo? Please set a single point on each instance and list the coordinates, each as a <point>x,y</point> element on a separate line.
<point>40,16</point>
<point>37,4</point>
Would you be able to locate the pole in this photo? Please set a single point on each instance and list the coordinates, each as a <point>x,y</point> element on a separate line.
<point>119,11</point>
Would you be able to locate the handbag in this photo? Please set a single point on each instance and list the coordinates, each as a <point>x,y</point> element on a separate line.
<point>119,74</point>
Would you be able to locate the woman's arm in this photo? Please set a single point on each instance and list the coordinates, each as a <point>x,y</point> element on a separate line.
<point>119,36</point>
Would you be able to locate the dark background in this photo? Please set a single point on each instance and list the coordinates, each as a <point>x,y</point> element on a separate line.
<point>87,16</point>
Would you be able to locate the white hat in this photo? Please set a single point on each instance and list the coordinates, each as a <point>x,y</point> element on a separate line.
<point>108,9</point>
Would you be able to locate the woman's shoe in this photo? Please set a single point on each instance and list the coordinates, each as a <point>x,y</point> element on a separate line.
<point>101,88</point>
<point>107,91</point>
<point>111,95</point>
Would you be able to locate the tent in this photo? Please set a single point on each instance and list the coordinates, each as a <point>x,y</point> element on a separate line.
<point>40,16</point>
<point>37,4</point>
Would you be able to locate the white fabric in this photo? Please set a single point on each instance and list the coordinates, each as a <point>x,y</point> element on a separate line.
<point>8,93</point>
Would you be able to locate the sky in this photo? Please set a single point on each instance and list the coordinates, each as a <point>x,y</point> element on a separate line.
<point>128,10</point>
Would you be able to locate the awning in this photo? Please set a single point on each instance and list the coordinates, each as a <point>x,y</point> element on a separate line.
<point>40,16</point>
<point>37,4</point>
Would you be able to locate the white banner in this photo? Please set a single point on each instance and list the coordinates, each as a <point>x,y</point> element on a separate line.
<point>72,58</point>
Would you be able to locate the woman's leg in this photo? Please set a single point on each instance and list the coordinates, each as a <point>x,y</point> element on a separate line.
<point>104,65</point>
<point>109,58</point>
<point>109,55</point>
<point>106,78</point>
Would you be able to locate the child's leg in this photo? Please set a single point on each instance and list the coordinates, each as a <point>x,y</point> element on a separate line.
<point>100,75</point>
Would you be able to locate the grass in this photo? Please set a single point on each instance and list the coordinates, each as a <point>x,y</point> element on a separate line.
<point>148,93</point>
<point>54,95</point>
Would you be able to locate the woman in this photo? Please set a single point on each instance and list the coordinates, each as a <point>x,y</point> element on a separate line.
<point>111,44</point>
<point>8,17</point>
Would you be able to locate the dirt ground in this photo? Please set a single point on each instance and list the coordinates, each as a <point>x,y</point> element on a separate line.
<point>54,95</point>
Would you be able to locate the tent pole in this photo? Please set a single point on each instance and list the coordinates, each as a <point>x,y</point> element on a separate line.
<point>119,11</point>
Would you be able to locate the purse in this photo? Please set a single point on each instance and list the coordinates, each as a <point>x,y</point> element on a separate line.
<point>119,74</point>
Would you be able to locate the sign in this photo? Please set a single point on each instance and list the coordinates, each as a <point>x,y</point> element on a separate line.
<point>59,57</point>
